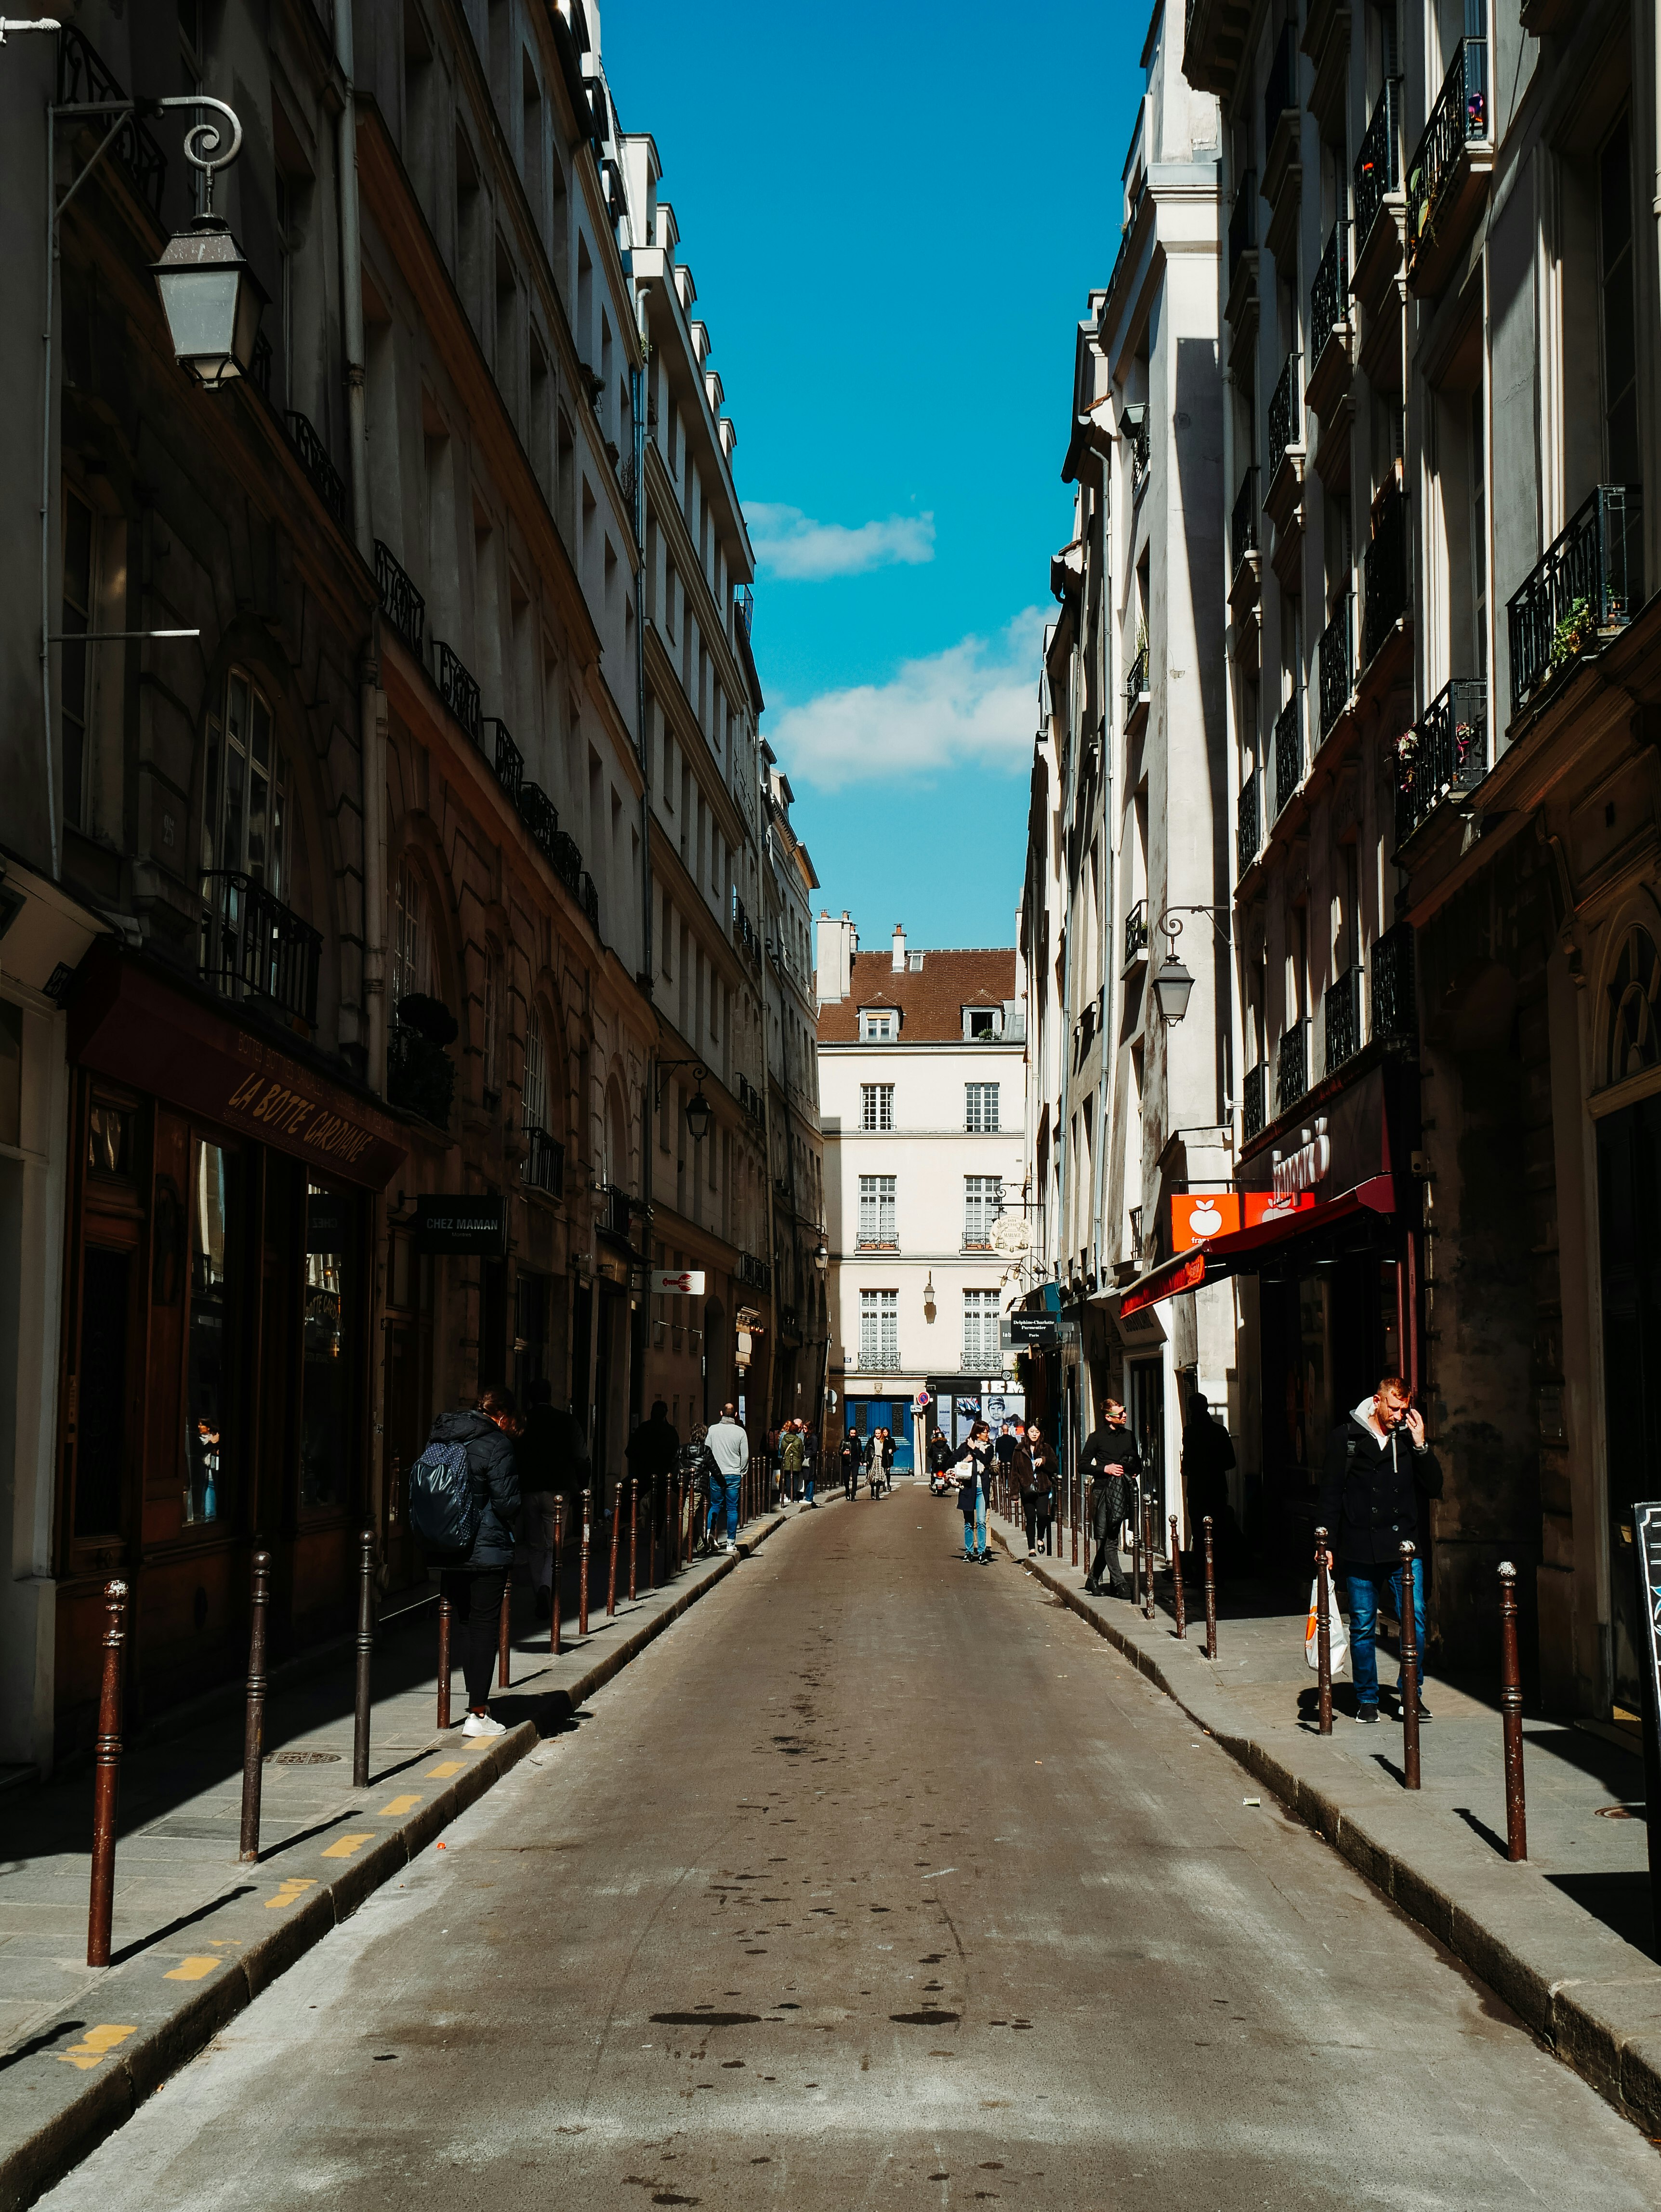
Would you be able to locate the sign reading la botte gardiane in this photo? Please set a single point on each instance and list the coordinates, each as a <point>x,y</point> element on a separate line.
<point>675,1282</point>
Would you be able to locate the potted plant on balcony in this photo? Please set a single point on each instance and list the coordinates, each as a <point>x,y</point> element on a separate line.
<point>421,1075</point>
<point>1572,635</point>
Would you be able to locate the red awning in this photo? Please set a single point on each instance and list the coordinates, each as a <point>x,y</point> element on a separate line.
<point>1216,1257</point>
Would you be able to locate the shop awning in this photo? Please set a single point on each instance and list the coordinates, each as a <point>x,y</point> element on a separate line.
<point>1241,1252</point>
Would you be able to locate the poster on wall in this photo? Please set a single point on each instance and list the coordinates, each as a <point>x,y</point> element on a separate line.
<point>998,1406</point>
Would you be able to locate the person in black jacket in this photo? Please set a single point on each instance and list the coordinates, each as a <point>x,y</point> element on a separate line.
<point>1378,1469</point>
<point>852,1457</point>
<point>975,1462</point>
<point>474,1586</point>
<point>1113,1462</point>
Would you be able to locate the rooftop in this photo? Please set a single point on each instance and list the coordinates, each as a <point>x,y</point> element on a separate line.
<point>930,999</point>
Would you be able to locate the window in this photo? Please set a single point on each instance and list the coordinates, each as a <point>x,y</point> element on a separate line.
<point>536,1074</point>
<point>877,1211</point>
<point>326,1430</point>
<point>982,1021</point>
<point>980,1107</point>
<point>78,536</point>
<point>982,1202</point>
<point>982,1353</point>
<point>880,1329</point>
<point>1479,536</point>
<point>492,1039</point>
<point>413,962</point>
<point>1619,329</point>
<point>244,791</point>
<point>209,1338</point>
<point>876,1105</point>
<point>878,1027</point>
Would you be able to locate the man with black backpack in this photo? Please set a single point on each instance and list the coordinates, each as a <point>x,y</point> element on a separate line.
<point>463,1504</point>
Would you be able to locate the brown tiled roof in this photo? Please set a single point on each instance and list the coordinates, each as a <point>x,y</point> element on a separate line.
<point>931,999</point>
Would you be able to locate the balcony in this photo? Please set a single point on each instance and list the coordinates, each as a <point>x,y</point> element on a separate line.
<point>1385,573</point>
<point>1292,1068</point>
<point>1448,176</point>
<point>540,817</point>
<point>755,1272</point>
<point>745,934</point>
<point>1337,666</point>
<point>1583,589</point>
<point>744,609</point>
<point>326,480</point>
<point>613,1214</point>
<point>750,1099</point>
<point>458,689</point>
<point>1135,933</point>
<point>1283,502</point>
<point>565,855</point>
<point>505,757</point>
<point>1288,754</point>
<point>1254,1100</point>
<point>400,602</point>
<point>1443,755</point>
<point>1243,541</point>
<point>1213,44</point>
<point>1280,94</point>
<point>1331,337</point>
<point>253,947</point>
<point>1248,823</point>
<point>588,900</point>
<point>1241,307</point>
<point>1326,41</point>
<point>1136,690</point>
<point>1284,420</point>
<point>544,1167</point>
<point>1134,420</point>
<point>1341,1019</point>
<point>83,80</point>
<point>1283,175</point>
<point>421,1075</point>
<point>1380,215</point>
<point>1394,1014</point>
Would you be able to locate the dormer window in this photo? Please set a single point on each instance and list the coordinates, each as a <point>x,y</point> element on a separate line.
<point>878,1025</point>
<point>983,1022</point>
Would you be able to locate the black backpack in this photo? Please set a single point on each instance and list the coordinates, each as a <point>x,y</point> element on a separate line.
<point>445,1506</point>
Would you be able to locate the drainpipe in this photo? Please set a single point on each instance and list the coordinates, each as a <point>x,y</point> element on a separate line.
<point>351,286</point>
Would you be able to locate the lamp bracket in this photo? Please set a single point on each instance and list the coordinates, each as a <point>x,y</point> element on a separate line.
<point>1173,928</point>
<point>663,1068</point>
<point>203,140</point>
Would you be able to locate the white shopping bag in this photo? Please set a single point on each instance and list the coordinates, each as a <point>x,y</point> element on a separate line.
<point>1339,1640</point>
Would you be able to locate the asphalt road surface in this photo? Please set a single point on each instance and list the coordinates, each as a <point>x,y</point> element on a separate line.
<point>880,1881</point>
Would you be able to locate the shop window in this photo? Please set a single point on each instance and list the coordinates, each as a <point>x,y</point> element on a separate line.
<point>101,1385</point>
<point>208,1410</point>
<point>326,1434</point>
<point>109,1138</point>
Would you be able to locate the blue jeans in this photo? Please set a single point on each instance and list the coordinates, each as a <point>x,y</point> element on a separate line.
<point>809,1486</point>
<point>723,1506</point>
<point>974,1531</point>
<point>1363,1585</point>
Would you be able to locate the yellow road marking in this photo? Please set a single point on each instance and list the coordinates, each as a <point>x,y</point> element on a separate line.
<point>291,1888</point>
<point>347,1845</point>
<point>192,1970</point>
<point>445,1766</point>
<point>97,2043</point>
<point>400,1805</point>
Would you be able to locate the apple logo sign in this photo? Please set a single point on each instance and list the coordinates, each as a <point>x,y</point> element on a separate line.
<point>1205,1221</point>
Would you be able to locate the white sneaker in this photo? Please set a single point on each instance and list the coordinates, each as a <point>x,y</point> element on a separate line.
<point>482,1725</point>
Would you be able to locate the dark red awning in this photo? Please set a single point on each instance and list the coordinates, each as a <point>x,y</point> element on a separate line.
<point>1214,1258</point>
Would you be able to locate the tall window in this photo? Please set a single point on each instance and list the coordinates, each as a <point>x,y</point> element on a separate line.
<point>982,1202</point>
<point>78,541</point>
<point>1620,331</point>
<point>1479,534</point>
<point>413,938</point>
<point>980,1106</point>
<point>876,1105</point>
<point>245,790</point>
<point>493,1025</point>
<point>877,1211</point>
<point>982,1353</point>
<point>880,1329</point>
<point>536,1074</point>
<point>210,1336</point>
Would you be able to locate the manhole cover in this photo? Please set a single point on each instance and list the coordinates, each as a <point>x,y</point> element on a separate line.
<point>1620,1812</point>
<point>304,1758</point>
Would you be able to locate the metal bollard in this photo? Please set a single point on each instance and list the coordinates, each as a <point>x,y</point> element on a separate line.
<point>1147,1579</point>
<point>1510,1709</point>
<point>582,1594</point>
<point>558,1608</point>
<point>611,1571</point>
<point>1136,1546</point>
<point>672,1531</point>
<point>443,1662</point>
<point>1176,1584</point>
<point>1072,1518</point>
<point>1210,1594</point>
<point>1324,1630</point>
<point>504,1635</point>
<point>107,1782</point>
<point>1409,1674</point>
<point>253,1726</point>
<point>365,1661</point>
<point>634,1533</point>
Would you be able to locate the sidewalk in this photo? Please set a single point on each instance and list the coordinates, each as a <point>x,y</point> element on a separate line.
<point>196,1935</point>
<point>1565,1938</point>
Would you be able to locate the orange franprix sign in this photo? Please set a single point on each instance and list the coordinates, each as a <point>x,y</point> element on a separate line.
<point>1198,1216</point>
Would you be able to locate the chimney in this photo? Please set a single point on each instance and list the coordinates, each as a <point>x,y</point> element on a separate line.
<point>899,948</point>
<point>838,941</point>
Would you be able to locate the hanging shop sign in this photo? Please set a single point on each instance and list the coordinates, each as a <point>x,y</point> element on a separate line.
<point>476,1226</point>
<point>675,1282</point>
<point>1197,1216</point>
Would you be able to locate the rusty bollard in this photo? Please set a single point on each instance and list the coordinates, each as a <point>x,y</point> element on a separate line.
<point>1510,1709</point>
<point>1409,1673</point>
<point>1147,1579</point>
<point>365,1661</point>
<point>558,1607</point>
<point>612,1573</point>
<point>1136,1546</point>
<point>582,1598</point>
<point>1323,1631</point>
<point>253,1726</point>
<point>634,1533</point>
<point>672,1530</point>
<point>106,1781</point>
<point>1176,1584</point>
<point>1210,1593</point>
<point>1072,1517</point>
<point>504,1635</point>
<point>443,1661</point>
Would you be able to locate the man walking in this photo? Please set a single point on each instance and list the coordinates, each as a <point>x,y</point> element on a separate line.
<point>1112,1461</point>
<point>553,1459</point>
<point>729,1455</point>
<point>851,1459</point>
<point>1378,1469</point>
<point>651,1453</point>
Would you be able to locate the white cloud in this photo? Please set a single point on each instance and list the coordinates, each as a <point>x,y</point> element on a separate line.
<point>791,544</point>
<point>975,705</point>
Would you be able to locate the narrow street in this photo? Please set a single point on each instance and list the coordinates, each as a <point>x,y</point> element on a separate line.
<point>882,1880</point>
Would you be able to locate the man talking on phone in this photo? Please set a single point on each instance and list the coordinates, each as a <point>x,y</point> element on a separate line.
<point>1379,1467</point>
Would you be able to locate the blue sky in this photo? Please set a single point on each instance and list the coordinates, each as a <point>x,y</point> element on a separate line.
<point>893,217</point>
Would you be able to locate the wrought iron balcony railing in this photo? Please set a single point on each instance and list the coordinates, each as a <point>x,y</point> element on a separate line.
<point>326,480</point>
<point>1379,164</point>
<point>1588,579</point>
<point>1280,92</point>
<point>588,899</point>
<point>400,602</point>
<point>544,1166</point>
<point>1394,1013</point>
<point>1444,751</point>
<point>1341,1019</point>
<point>1136,682</point>
<point>1243,523</point>
<point>745,935</point>
<point>1254,1100</point>
<point>458,689</point>
<point>743,608</point>
<point>1337,657</point>
<point>754,1271</point>
<point>613,1215</point>
<point>254,947</point>
<point>84,80</point>
<point>1248,821</point>
<point>1329,295</point>
<point>1461,114</point>
<point>504,756</point>
<point>1285,414</point>
<point>540,817</point>
<point>1384,569</point>
<point>1135,931</point>
<point>1289,753</point>
<point>1243,223</point>
<point>1292,1068</point>
<point>750,1099</point>
<point>566,855</point>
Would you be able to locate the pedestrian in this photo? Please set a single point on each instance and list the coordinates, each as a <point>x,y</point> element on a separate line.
<point>940,1461</point>
<point>974,1465</point>
<point>1024,1476</point>
<point>473,1581</point>
<point>851,1457</point>
<point>885,1453</point>
<point>1378,1469</point>
<point>1208,1460</point>
<point>551,1454</point>
<point>729,1456</point>
<point>1009,1439</point>
<point>1045,1468</point>
<point>792,1460</point>
<point>651,1453</point>
<point>1113,1462</point>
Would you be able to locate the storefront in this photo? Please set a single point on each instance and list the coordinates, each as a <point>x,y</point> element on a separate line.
<point>216,1352</point>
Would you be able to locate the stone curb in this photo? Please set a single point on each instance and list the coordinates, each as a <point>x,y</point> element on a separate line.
<point>89,2109</point>
<point>1607,2027</point>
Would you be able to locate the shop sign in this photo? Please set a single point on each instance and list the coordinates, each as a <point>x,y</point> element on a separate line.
<point>1310,1163</point>
<point>682,1282</point>
<point>1030,1328</point>
<point>477,1226</point>
<point>1197,1215</point>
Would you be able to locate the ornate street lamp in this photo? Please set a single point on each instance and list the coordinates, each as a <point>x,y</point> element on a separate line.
<point>698,1117</point>
<point>210,294</point>
<point>1172,984</point>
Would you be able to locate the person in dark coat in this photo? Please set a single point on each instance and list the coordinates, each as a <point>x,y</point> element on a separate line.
<point>1033,1469</point>
<point>939,1458</point>
<point>1207,1461</point>
<point>474,1586</point>
<point>975,1462</point>
<point>651,1453</point>
<point>552,1456</point>
<point>852,1458</point>
<point>1113,1462</point>
<point>1378,1468</point>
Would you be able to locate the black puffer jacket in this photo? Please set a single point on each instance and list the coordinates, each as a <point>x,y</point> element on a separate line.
<point>1370,1498</point>
<point>1112,1497</point>
<point>493,1470</point>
